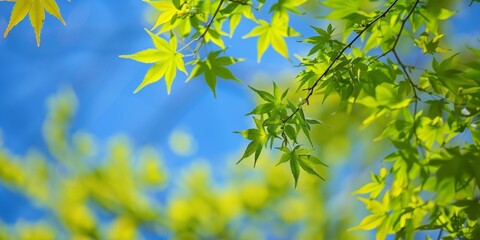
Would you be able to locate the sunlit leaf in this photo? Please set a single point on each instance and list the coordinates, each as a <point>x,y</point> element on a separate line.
<point>270,34</point>
<point>212,67</point>
<point>370,222</point>
<point>36,9</point>
<point>166,61</point>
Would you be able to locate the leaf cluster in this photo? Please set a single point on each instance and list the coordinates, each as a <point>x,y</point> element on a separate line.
<point>273,125</point>
<point>197,23</point>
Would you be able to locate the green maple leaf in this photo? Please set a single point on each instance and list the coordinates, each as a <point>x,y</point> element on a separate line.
<point>300,158</point>
<point>166,61</point>
<point>271,34</point>
<point>259,139</point>
<point>212,67</point>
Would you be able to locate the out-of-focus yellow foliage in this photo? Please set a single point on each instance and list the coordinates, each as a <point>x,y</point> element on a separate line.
<point>40,231</point>
<point>118,192</point>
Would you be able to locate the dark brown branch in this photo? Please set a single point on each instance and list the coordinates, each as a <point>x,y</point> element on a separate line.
<point>416,98</point>
<point>207,27</point>
<point>311,89</point>
<point>439,236</point>
<point>402,26</point>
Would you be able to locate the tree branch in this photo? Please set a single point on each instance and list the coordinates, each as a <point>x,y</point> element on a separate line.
<point>311,89</point>
<point>207,27</point>
<point>416,98</point>
<point>402,26</point>
<point>439,236</point>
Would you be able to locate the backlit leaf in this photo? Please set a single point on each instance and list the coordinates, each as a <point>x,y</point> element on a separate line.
<point>212,67</point>
<point>166,61</point>
<point>270,34</point>
<point>370,222</point>
<point>36,10</point>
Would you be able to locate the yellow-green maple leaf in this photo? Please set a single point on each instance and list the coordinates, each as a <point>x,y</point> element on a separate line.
<point>166,61</point>
<point>236,16</point>
<point>36,9</point>
<point>271,34</point>
<point>282,7</point>
<point>167,11</point>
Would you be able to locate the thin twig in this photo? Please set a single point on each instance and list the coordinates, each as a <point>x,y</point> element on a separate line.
<point>311,89</point>
<point>415,67</point>
<point>440,234</point>
<point>402,26</point>
<point>207,27</point>
<point>416,98</point>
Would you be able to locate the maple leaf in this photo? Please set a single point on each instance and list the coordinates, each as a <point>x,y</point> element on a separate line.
<point>167,12</point>
<point>271,34</point>
<point>282,7</point>
<point>213,67</point>
<point>36,10</point>
<point>166,61</point>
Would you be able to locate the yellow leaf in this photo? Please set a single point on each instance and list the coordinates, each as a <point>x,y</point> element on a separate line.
<point>159,42</point>
<point>278,43</point>
<point>234,21</point>
<point>19,12</point>
<point>37,17</point>
<point>146,56</point>
<point>369,222</point>
<point>170,74</point>
<point>445,14</point>
<point>273,34</point>
<point>165,58</point>
<point>368,188</point>
<point>153,74</point>
<point>180,64</point>
<point>167,12</point>
<point>262,45</point>
<point>52,8</point>
<point>36,10</point>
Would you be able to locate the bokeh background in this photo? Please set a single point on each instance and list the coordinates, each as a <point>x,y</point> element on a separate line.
<point>83,157</point>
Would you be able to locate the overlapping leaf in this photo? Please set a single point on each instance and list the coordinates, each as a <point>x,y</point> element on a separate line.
<point>272,119</point>
<point>282,7</point>
<point>168,11</point>
<point>300,158</point>
<point>213,66</point>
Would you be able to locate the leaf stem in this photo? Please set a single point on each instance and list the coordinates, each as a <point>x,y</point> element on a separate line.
<point>207,27</point>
